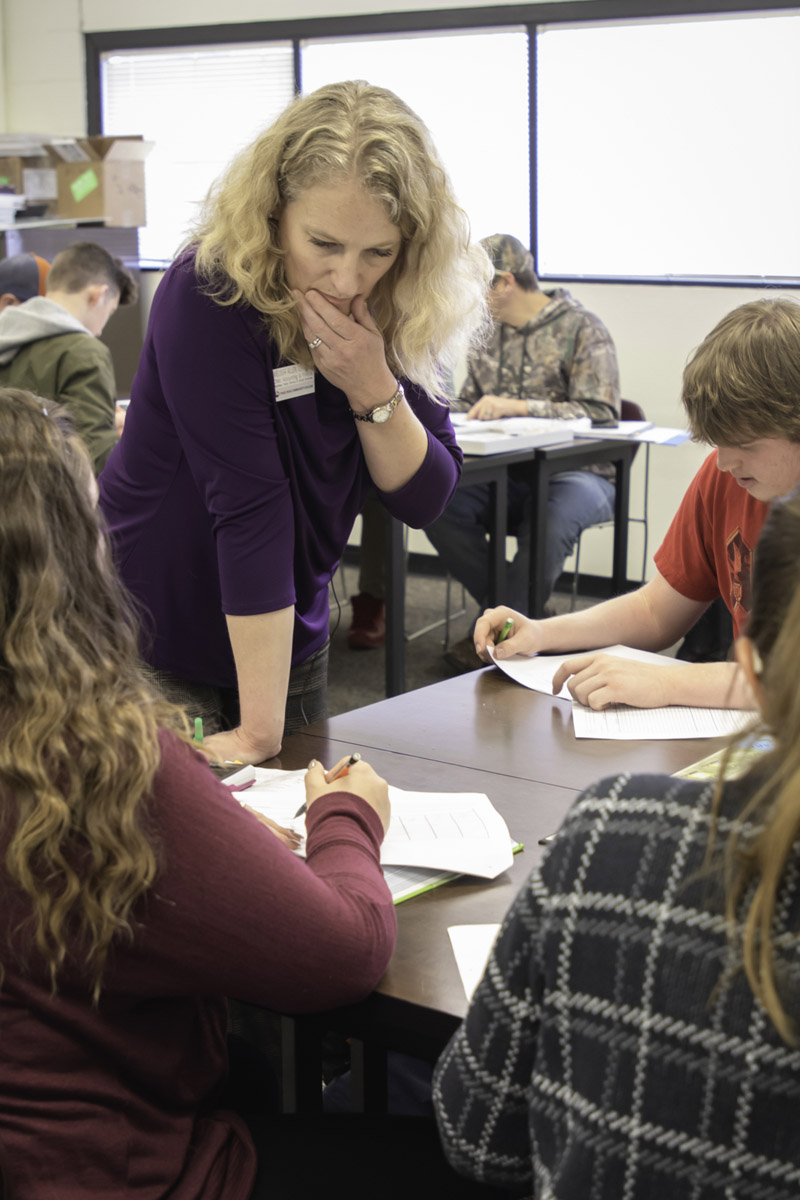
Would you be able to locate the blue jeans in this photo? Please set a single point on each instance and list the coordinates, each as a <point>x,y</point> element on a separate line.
<point>575,500</point>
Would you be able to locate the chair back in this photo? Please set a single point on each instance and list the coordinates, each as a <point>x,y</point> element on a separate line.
<point>631,411</point>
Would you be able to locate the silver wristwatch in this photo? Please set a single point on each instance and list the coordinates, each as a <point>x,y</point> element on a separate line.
<point>383,411</point>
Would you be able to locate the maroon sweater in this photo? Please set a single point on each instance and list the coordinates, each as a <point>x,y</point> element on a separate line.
<point>94,1101</point>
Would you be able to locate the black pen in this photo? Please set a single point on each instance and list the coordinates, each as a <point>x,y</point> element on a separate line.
<point>340,774</point>
<point>545,841</point>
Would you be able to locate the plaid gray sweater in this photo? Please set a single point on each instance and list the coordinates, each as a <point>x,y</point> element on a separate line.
<point>614,1050</point>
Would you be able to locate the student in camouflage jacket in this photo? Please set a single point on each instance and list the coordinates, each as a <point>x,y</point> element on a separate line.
<point>547,357</point>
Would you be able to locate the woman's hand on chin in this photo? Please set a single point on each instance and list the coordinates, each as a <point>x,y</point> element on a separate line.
<point>350,353</point>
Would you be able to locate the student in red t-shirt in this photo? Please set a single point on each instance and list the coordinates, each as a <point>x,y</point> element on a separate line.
<point>741,391</point>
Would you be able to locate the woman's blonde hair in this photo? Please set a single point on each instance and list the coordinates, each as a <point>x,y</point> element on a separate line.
<point>743,380</point>
<point>79,746</point>
<point>430,306</point>
<point>755,863</point>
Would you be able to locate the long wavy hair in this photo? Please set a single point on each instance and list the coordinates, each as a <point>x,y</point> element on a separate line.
<point>430,306</point>
<point>743,380</point>
<point>755,864</point>
<point>79,726</point>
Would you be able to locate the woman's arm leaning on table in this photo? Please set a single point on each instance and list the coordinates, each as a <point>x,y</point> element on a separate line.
<point>262,650</point>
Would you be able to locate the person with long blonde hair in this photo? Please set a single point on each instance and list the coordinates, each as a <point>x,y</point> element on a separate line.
<point>137,893</point>
<point>636,1031</point>
<point>293,365</point>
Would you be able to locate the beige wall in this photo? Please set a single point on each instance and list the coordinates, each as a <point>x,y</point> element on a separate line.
<point>41,42</point>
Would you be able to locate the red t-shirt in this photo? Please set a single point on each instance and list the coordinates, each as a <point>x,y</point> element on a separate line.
<point>708,548</point>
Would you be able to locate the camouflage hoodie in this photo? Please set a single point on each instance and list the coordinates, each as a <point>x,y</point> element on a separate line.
<point>562,361</point>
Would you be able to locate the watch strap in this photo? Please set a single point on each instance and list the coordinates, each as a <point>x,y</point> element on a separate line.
<point>381,412</point>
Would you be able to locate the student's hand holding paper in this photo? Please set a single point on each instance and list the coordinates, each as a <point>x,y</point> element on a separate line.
<point>360,779</point>
<point>598,680</point>
<point>525,637</point>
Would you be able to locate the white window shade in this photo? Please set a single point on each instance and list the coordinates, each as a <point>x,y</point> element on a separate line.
<point>471,90</point>
<point>669,148</point>
<point>200,105</point>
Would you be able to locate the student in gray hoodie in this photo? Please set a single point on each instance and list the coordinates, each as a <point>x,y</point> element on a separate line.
<point>50,344</point>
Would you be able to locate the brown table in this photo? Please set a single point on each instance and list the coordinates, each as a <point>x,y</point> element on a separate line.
<point>478,732</point>
<point>537,464</point>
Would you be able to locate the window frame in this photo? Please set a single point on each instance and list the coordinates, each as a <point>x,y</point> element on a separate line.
<point>530,16</point>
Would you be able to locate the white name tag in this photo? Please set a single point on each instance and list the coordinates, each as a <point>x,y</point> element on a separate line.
<point>293,381</point>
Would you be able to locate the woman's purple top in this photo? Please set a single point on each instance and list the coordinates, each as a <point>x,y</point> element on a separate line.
<point>222,500</point>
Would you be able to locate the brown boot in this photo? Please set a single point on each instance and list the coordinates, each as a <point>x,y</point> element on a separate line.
<point>368,628</point>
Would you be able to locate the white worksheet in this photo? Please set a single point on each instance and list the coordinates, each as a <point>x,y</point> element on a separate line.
<point>622,722</point>
<point>448,831</point>
<point>537,672</point>
<point>472,945</point>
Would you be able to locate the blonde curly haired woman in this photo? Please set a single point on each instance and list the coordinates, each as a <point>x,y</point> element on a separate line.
<point>292,366</point>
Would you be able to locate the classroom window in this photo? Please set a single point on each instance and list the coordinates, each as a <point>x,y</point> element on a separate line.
<point>471,89</point>
<point>199,105</point>
<point>668,148</point>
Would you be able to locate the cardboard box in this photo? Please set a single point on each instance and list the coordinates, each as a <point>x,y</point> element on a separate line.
<point>102,178</point>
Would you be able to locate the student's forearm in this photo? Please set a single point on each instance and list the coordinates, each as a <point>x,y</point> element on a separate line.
<point>708,685</point>
<point>653,617</point>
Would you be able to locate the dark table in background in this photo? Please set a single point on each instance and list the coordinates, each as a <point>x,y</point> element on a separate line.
<point>538,464</point>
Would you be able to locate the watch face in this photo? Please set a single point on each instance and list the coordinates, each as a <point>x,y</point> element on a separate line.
<point>379,415</point>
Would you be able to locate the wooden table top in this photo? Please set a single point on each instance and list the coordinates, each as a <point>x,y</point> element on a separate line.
<point>479,732</point>
<point>486,721</point>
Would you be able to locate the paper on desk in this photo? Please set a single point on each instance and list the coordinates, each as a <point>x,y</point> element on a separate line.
<point>622,722</point>
<point>638,431</point>
<point>461,832</point>
<point>514,433</point>
<point>472,945</point>
<point>537,672</point>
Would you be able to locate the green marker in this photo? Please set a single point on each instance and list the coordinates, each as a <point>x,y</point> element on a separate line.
<point>198,730</point>
<point>505,631</point>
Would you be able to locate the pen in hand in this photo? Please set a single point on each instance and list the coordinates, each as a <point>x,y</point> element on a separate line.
<point>505,631</point>
<point>340,774</point>
<point>345,770</point>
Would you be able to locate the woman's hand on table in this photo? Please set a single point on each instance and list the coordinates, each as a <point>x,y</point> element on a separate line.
<point>360,779</point>
<point>351,354</point>
<point>489,408</point>
<point>234,745</point>
<point>526,636</point>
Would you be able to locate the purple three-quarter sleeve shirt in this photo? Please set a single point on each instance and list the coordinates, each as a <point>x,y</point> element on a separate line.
<point>222,500</point>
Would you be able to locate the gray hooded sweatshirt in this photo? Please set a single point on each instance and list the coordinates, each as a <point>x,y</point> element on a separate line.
<point>46,350</point>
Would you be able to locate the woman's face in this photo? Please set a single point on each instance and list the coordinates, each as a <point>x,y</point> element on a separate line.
<point>337,241</point>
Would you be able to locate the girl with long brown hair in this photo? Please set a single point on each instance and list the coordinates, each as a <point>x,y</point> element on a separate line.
<point>137,893</point>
